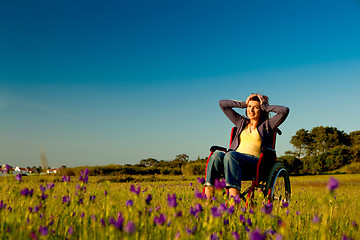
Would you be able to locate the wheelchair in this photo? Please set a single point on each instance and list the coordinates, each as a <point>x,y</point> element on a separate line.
<point>270,176</point>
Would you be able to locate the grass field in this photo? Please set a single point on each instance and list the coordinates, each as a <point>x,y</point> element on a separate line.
<point>50,207</point>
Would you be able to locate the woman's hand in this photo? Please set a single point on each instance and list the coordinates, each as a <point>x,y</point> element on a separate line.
<point>251,96</point>
<point>263,98</point>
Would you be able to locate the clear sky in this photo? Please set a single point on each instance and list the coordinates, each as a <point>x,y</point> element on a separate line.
<point>113,82</point>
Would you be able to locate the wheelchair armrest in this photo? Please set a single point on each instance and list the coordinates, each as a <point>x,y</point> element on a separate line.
<point>218,148</point>
<point>268,150</point>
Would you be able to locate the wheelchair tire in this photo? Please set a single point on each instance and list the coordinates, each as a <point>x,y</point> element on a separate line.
<point>278,183</point>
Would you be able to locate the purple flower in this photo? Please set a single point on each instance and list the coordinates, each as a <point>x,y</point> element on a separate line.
<point>129,203</point>
<point>66,199</point>
<point>219,183</point>
<point>42,188</point>
<point>298,213</point>
<point>160,220</point>
<point>267,208</point>
<point>43,196</point>
<point>179,214</point>
<point>50,185</point>
<point>201,180</point>
<point>242,219</point>
<point>2,205</point>
<point>130,227</point>
<point>354,224</point>
<point>214,236</point>
<point>248,222</point>
<point>118,223</point>
<point>43,230</point>
<point>235,235</point>
<point>226,222</point>
<point>71,230</point>
<point>332,184</point>
<point>6,169</point>
<point>105,193</point>
<point>251,211</point>
<point>102,221</point>
<point>257,235</point>
<point>191,231</point>
<point>231,210</point>
<point>172,200</point>
<point>92,198</point>
<point>84,175</point>
<point>18,177</point>
<point>65,178</point>
<point>148,199</point>
<point>316,219</point>
<point>93,217</point>
<point>285,204</point>
<point>135,190</point>
<point>26,192</point>
<point>199,195</point>
<point>216,212</point>
<point>222,207</point>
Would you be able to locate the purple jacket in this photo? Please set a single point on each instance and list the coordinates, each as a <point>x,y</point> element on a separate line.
<point>265,129</point>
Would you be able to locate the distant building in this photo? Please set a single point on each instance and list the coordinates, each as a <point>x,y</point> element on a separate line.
<point>20,170</point>
<point>53,170</point>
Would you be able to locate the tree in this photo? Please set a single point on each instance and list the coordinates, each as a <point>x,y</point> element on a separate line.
<point>149,162</point>
<point>301,141</point>
<point>181,158</point>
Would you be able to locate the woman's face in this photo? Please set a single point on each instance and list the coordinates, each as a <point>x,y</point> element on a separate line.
<point>253,110</point>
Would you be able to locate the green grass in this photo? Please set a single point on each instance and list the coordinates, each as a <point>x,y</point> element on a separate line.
<point>90,219</point>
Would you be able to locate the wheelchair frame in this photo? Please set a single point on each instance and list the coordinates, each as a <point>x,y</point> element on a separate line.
<point>271,176</point>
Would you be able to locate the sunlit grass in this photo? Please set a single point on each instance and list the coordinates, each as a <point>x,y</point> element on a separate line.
<point>100,209</point>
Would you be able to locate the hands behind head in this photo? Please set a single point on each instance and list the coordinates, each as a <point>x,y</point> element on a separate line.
<point>263,98</point>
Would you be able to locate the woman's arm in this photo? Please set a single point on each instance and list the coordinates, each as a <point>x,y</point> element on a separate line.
<point>227,107</point>
<point>281,114</point>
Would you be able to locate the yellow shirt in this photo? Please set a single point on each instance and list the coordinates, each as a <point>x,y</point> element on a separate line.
<point>250,142</point>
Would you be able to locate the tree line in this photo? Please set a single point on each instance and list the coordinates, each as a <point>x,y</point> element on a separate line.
<point>321,149</point>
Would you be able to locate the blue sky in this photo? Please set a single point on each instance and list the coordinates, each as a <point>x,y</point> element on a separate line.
<point>102,82</point>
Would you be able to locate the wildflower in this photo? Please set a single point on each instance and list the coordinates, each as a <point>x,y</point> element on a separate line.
<point>82,215</point>
<point>92,198</point>
<point>226,222</point>
<point>129,203</point>
<point>157,208</point>
<point>172,200</point>
<point>33,236</point>
<point>214,236</point>
<point>65,178</point>
<point>231,210</point>
<point>242,219</point>
<point>26,192</point>
<point>267,208</point>
<point>160,220</point>
<point>50,186</point>
<point>148,199</point>
<point>222,207</point>
<point>2,205</point>
<point>201,180</point>
<point>118,223</point>
<point>43,230</point>
<point>332,184</point>
<point>93,217</point>
<point>42,188</point>
<point>43,196</point>
<point>316,219</point>
<point>102,221</point>
<point>219,184</point>
<point>354,224</point>
<point>278,236</point>
<point>71,230</point>
<point>216,212</point>
<point>179,214</point>
<point>235,235</point>
<point>298,213</point>
<point>105,193</point>
<point>257,235</point>
<point>6,169</point>
<point>130,227</point>
<point>18,177</point>
<point>251,211</point>
<point>285,204</point>
<point>177,235</point>
<point>84,175</point>
<point>66,199</point>
<point>135,190</point>
<point>199,195</point>
<point>191,231</point>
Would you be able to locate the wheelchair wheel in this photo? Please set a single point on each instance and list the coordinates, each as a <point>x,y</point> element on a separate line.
<point>278,184</point>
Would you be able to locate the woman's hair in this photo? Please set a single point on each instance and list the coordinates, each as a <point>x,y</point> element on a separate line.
<point>263,115</point>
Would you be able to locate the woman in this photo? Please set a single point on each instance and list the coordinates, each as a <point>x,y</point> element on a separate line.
<point>253,133</point>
